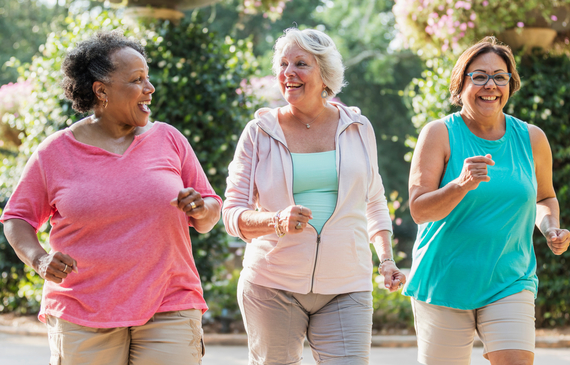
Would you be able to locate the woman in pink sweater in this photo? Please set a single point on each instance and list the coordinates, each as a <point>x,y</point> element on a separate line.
<point>305,194</point>
<point>121,286</point>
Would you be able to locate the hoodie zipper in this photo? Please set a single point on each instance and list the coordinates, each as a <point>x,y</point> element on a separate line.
<point>336,205</point>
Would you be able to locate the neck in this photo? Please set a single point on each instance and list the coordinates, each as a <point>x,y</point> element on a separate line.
<point>484,125</point>
<point>110,128</point>
<point>310,113</point>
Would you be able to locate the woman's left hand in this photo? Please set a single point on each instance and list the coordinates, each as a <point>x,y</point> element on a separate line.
<point>558,240</point>
<point>393,277</point>
<point>190,202</point>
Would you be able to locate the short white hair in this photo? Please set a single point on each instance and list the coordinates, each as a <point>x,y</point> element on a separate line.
<point>319,45</point>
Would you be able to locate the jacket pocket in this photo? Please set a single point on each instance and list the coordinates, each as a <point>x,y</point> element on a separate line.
<point>339,255</point>
<point>293,254</point>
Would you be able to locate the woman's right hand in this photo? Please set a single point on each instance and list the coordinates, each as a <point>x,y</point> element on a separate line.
<point>474,171</point>
<point>55,266</point>
<point>294,219</point>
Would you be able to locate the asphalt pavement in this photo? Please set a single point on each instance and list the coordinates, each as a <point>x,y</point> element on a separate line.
<point>17,349</point>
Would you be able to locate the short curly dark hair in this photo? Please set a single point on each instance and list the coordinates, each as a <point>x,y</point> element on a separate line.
<point>91,61</point>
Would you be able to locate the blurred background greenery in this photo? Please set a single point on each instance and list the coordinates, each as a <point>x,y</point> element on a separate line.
<point>212,69</point>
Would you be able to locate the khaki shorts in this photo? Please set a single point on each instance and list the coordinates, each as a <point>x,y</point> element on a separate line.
<point>445,335</point>
<point>338,327</point>
<point>169,338</point>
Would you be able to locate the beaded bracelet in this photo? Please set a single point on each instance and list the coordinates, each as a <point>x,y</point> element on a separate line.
<point>388,259</point>
<point>278,231</point>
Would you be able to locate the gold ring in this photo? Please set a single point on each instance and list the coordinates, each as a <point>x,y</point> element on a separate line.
<point>193,205</point>
<point>64,270</point>
<point>298,225</point>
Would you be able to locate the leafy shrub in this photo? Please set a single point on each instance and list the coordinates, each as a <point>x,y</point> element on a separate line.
<point>196,74</point>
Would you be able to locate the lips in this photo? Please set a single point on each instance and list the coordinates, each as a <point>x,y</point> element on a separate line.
<point>143,106</point>
<point>293,85</point>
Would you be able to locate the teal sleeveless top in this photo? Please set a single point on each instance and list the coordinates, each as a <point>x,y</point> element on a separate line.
<point>482,251</point>
<point>315,184</point>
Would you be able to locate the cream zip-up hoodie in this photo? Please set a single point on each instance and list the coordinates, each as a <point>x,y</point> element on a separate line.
<point>260,178</point>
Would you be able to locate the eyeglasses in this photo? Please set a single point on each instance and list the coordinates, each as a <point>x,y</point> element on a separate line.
<point>481,78</point>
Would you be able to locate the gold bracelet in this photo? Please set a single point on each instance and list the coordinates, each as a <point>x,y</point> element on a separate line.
<point>278,231</point>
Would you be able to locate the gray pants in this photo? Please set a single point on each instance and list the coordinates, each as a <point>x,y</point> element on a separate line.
<point>338,327</point>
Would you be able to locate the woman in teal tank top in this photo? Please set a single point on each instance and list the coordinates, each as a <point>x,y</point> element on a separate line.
<point>479,182</point>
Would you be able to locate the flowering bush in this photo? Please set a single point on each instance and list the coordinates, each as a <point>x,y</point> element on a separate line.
<point>12,98</point>
<point>436,26</point>
<point>271,9</point>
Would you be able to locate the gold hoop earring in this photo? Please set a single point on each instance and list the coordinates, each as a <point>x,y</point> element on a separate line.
<point>105,103</point>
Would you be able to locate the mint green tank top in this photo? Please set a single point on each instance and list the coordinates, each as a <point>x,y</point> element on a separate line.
<point>315,184</point>
<point>482,251</point>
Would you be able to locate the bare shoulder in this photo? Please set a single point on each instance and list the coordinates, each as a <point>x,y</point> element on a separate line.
<point>434,139</point>
<point>537,135</point>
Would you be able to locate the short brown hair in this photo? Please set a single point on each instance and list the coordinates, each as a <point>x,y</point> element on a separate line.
<point>486,45</point>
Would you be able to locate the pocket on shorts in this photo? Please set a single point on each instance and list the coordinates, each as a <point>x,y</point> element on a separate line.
<point>258,292</point>
<point>363,298</point>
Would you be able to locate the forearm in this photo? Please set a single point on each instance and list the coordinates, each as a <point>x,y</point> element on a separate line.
<point>437,204</point>
<point>210,218</point>
<point>23,239</point>
<point>253,224</point>
<point>547,215</point>
<point>383,245</point>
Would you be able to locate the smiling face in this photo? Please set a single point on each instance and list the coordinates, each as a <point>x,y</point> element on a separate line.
<point>299,77</point>
<point>485,101</point>
<point>129,91</point>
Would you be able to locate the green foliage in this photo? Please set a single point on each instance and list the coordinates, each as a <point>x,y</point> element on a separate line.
<point>543,100</point>
<point>196,75</point>
<point>222,293</point>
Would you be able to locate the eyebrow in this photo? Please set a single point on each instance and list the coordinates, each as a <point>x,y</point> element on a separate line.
<point>484,71</point>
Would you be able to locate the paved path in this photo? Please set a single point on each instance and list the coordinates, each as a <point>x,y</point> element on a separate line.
<point>33,350</point>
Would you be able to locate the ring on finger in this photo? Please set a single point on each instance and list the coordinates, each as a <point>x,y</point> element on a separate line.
<point>193,205</point>
<point>298,225</point>
<point>65,269</point>
<point>301,207</point>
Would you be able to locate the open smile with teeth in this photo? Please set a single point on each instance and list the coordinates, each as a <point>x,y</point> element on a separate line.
<point>489,98</point>
<point>293,85</point>
<point>143,105</point>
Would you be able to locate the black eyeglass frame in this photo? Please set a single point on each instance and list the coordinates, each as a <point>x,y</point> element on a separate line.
<point>492,77</point>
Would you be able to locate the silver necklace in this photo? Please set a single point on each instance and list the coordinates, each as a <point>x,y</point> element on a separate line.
<point>308,125</point>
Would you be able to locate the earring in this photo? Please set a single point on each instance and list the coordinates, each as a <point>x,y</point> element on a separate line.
<point>105,103</point>
<point>324,94</point>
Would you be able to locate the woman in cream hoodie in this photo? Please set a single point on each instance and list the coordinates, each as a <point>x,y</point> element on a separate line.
<point>305,194</point>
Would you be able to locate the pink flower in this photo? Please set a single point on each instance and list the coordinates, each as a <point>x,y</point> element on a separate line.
<point>554,18</point>
<point>520,24</point>
<point>414,17</point>
<point>449,11</point>
<point>485,3</point>
<point>458,4</point>
<point>470,24</point>
<point>467,6</point>
<point>444,48</point>
<point>461,35</point>
<point>441,7</point>
<point>434,15</point>
<point>456,23</point>
<point>396,204</point>
<point>398,221</point>
<point>463,26</point>
<point>473,16</point>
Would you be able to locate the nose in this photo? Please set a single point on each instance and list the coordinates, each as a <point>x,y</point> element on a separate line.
<point>148,87</point>
<point>289,70</point>
<point>489,84</point>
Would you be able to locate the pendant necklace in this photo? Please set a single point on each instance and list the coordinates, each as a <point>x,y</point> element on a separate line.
<point>308,125</point>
